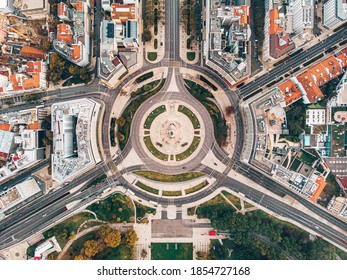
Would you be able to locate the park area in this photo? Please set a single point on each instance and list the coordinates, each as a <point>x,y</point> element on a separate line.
<point>116,208</point>
<point>172,251</point>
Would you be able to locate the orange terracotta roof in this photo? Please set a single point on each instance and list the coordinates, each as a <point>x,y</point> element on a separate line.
<point>321,185</point>
<point>243,13</point>
<point>274,27</point>
<point>33,82</point>
<point>76,53</point>
<point>16,82</point>
<point>34,125</point>
<point>62,9</point>
<point>332,66</point>
<point>32,52</point>
<point>121,13</point>
<point>320,73</point>
<point>1,89</point>
<point>290,91</point>
<point>313,92</point>
<point>34,67</point>
<point>64,33</point>
<point>5,126</point>
<point>79,6</point>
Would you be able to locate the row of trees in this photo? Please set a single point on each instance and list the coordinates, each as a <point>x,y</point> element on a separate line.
<point>109,238</point>
<point>190,16</point>
<point>154,10</point>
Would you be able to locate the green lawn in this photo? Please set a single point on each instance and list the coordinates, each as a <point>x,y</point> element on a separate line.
<point>121,252</point>
<point>155,176</point>
<point>197,187</point>
<point>116,208</point>
<point>152,56</point>
<point>193,146</point>
<point>142,210</point>
<point>146,188</point>
<point>190,56</point>
<point>220,127</point>
<point>307,158</point>
<point>233,199</point>
<point>172,193</point>
<point>190,115</point>
<point>155,113</point>
<point>154,151</point>
<point>68,228</point>
<point>172,251</point>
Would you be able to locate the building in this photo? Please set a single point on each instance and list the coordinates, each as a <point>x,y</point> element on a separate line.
<point>63,12</point>
<point>73,41</point>
<point>106,5</point>
<point>226,47</point>
<point>125,19</point>
<point>338,206</point>
<point>300,15</point>
<point>279,41</point>
<point>341,90</point>
<point>32,77</point>
<point>74,127</point>
<point>21,141</point>
<point>334,13</point>
<point>20,194</point>
<point>315,116</point>
<point>7,144</point>
<point>30,52</point>
<point>6,6</point>
<point>35,9</point>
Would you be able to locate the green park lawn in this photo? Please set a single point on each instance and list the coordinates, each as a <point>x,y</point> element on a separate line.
<point>172,251</point>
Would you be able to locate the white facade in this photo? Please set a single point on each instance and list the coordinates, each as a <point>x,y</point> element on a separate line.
<point>6,6</point>
<point>301,13</point>
<point>106,5</point>
<point>334,12</point>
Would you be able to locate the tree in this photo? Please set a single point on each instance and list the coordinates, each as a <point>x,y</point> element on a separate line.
<point>131,237</point>
<point>113,239</point>
<point>56,67</point>
<point>46,141</point>
<point>121,121</point>
<point>46,46</point>
<point>91,248</point>
<point>201,255</point>
<point>143,254</point>
<point>147,35</point>
<point>73,70</point>
<point>81,257</point>
<point>230,110</point>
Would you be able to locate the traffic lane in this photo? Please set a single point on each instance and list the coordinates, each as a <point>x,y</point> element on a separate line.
<point>41,219</point>
<point>46,200</point>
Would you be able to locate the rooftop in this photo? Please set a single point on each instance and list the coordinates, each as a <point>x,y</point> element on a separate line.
<point>120,13</point>
<point>290,91</point>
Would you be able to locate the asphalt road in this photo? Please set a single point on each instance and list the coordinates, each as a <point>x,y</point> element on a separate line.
<point>172,21</point>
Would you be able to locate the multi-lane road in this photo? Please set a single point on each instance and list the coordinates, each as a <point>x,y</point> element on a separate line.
<point>44,210</point>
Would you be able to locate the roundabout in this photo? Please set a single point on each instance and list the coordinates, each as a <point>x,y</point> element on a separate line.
<point>171,132</point>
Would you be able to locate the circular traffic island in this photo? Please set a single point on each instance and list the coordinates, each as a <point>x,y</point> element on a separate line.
<point>169,135</point>
<point>171,132</point>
